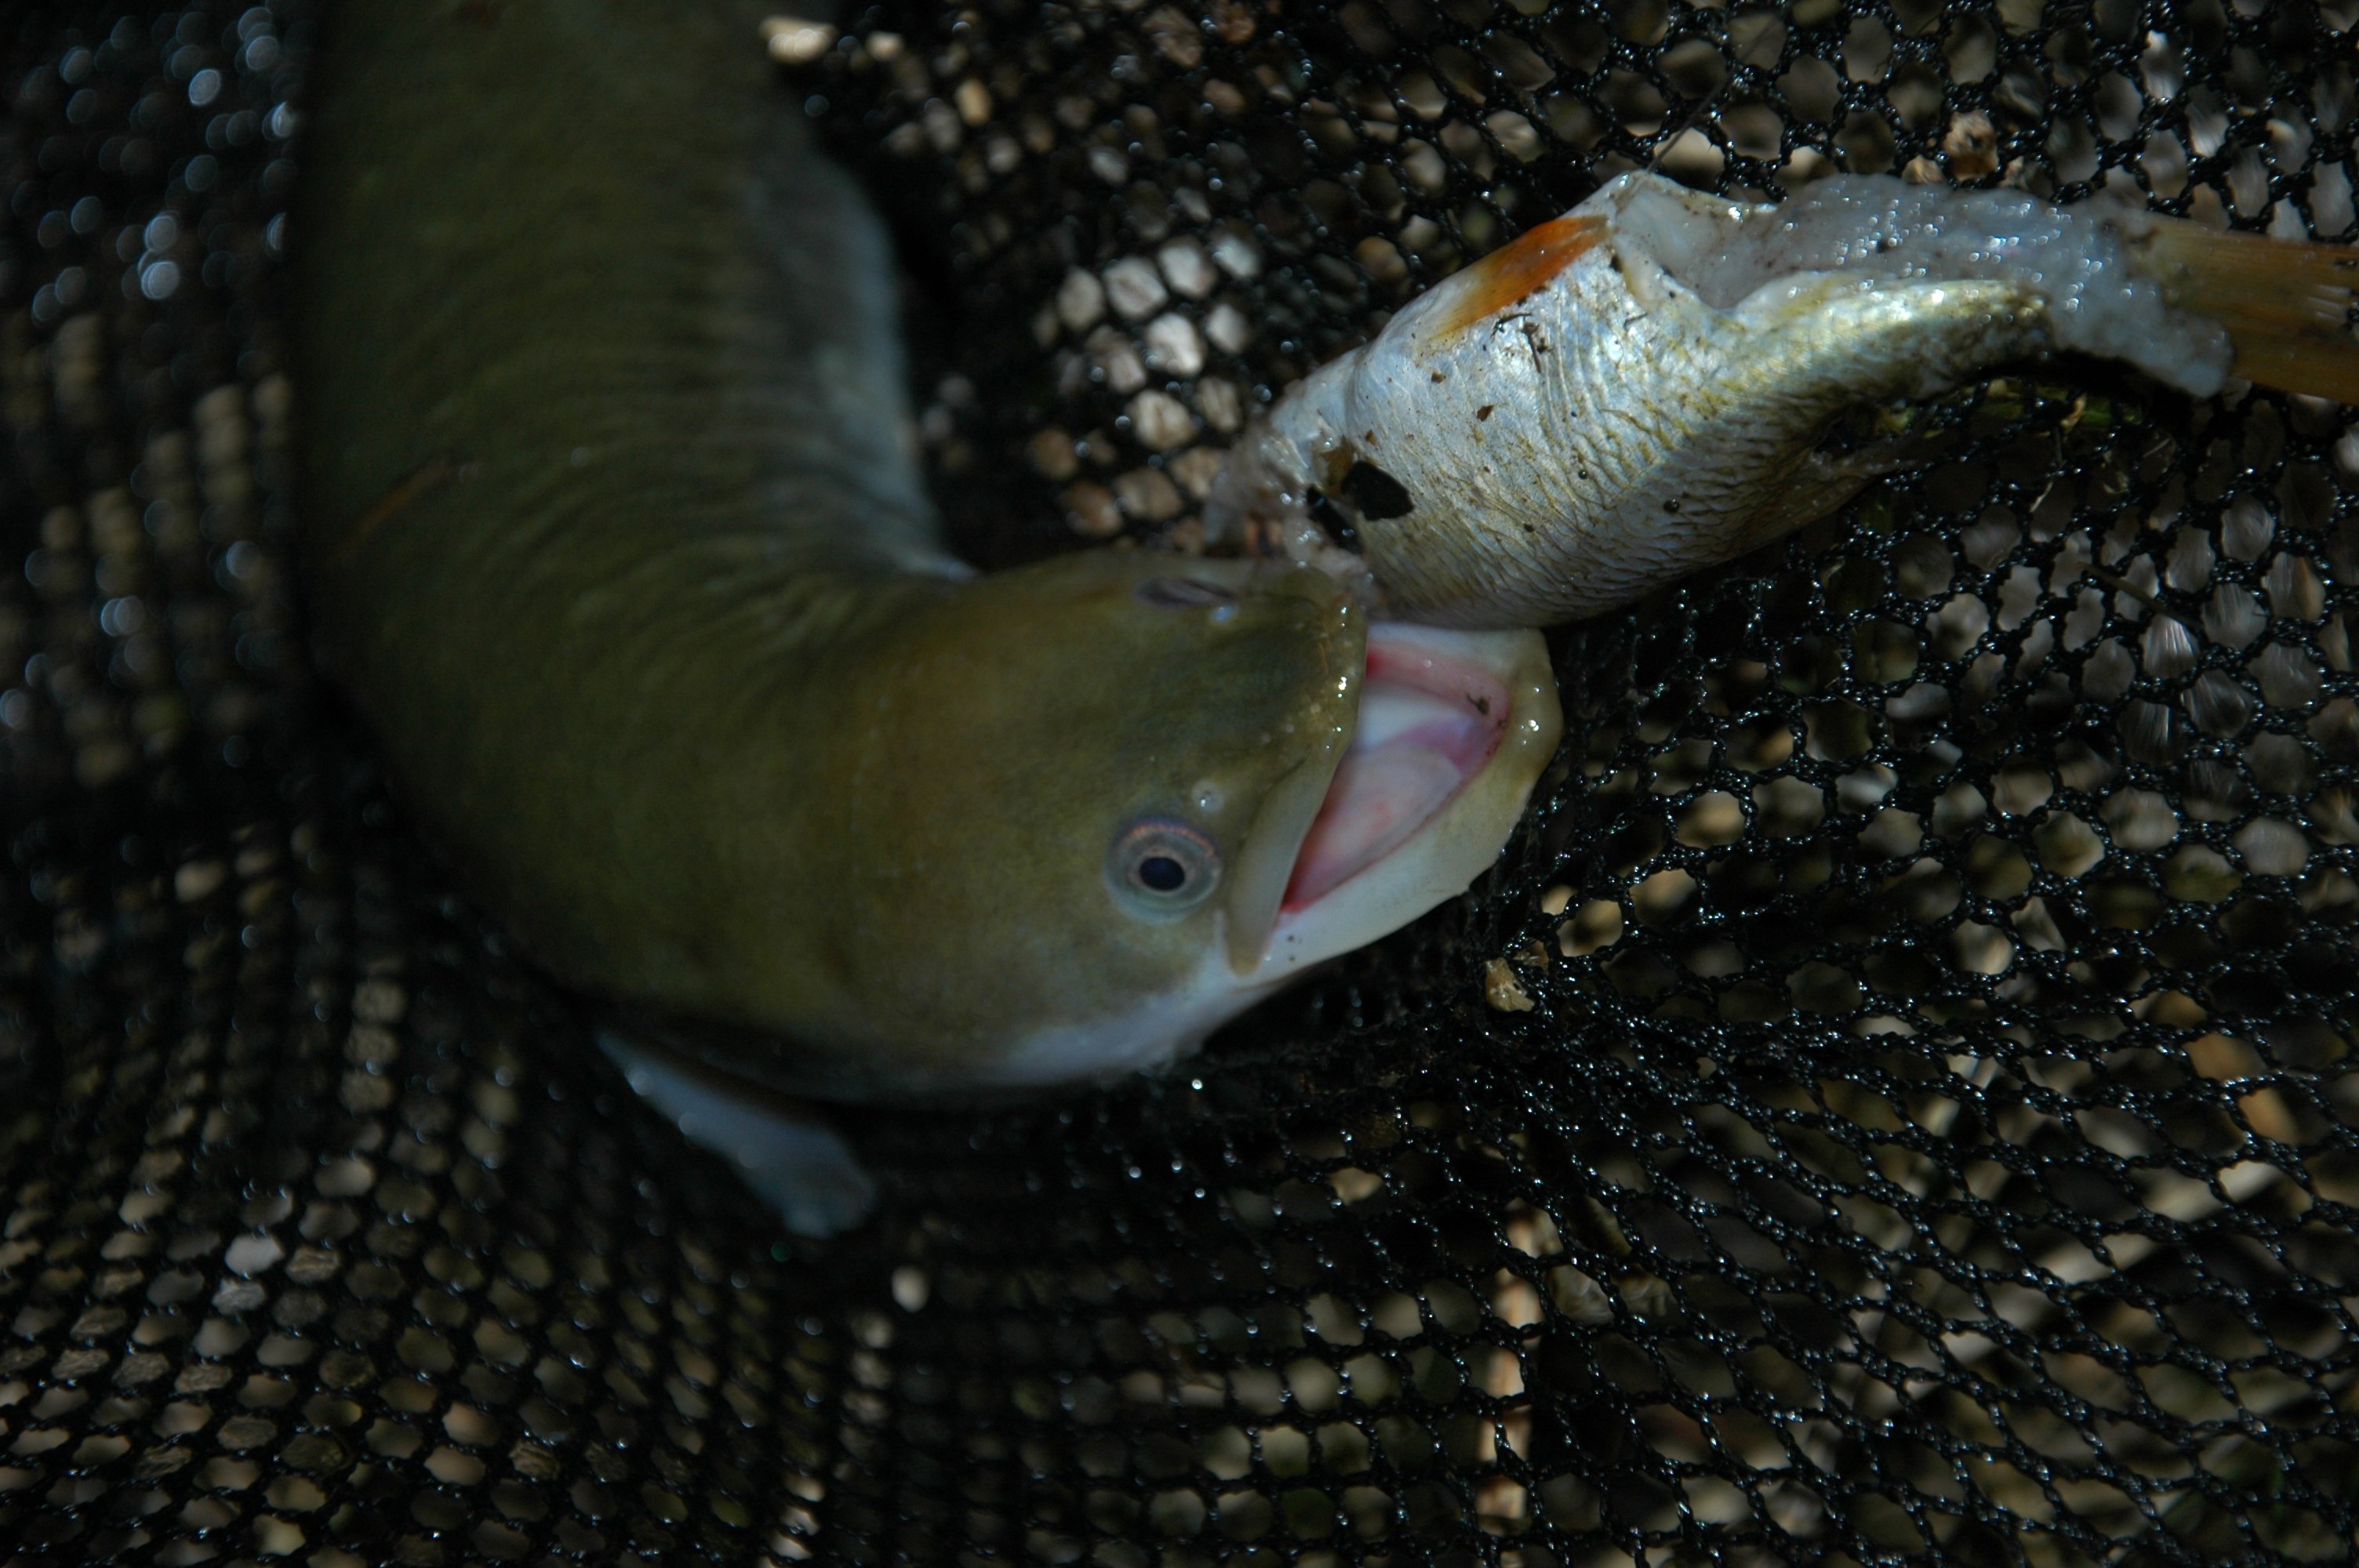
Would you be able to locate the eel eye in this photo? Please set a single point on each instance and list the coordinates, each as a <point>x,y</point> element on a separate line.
<point>1159,868</point>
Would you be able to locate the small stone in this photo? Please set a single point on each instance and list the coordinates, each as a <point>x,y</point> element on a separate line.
<point>1118,360</point>
<point>1502,990</point>
<point>1172,346</point>
<point>1135,288</point>
<point>943,129</point>
<point>1233,20</point>
<point>535,1462</point>
<point>1971,144</point>
<point>1380,260</point>
<point>197,878</point>
<point>794,41</point>
<point>1228,329</point>
<point>1217,398</point>
<point>1089,510</point>
<point>1053,455</point>
<point>1160,421</point>
<point>1080,300</point>
<point>1176,36</point>
<point>1186,267</point>
<point>1195,470</point>
<point>1148,494</point>
<point>1109,164</point>
<point>1237,257</point>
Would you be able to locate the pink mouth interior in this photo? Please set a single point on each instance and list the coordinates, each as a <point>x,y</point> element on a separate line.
<point>1428,723</point>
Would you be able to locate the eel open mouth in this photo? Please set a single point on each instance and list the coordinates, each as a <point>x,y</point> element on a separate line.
<point>1453,729</point>
<point>1384,820</point>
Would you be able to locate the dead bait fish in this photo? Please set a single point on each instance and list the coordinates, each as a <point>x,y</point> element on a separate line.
<point>1634,389</point>
<point>615,541</point>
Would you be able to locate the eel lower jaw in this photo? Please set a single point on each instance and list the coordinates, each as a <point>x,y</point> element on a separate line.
<point>1454,727</point>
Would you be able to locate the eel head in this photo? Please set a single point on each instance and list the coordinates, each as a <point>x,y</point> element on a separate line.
<point>1145,791</point>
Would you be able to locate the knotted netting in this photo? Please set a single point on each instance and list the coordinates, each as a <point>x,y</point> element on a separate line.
<point>1894,1101</point>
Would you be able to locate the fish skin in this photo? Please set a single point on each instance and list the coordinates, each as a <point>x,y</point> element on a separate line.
<point>1636,389</point>
<point>615,538</point>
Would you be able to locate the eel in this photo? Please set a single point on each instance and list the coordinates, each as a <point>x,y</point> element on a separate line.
<point>616,539</point>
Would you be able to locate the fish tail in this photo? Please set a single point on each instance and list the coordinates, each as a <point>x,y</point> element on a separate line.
<point>2285,304</point>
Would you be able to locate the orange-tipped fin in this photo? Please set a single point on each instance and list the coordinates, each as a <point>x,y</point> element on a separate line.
<point>1516,271</point>
<point>2286,304</point>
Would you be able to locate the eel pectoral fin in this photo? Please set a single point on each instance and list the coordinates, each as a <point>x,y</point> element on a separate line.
<point>779,1147</point>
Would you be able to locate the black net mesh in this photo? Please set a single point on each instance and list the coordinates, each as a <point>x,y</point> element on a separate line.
<point>1894,1102</point>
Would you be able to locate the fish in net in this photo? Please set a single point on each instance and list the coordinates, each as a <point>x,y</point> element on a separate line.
<point>1894,1100</point>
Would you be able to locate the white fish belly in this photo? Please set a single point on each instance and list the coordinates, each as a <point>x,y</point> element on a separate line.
<point>1634,389</point>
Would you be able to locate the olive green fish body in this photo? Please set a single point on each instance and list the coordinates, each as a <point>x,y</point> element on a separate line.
<point>616,541</point>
